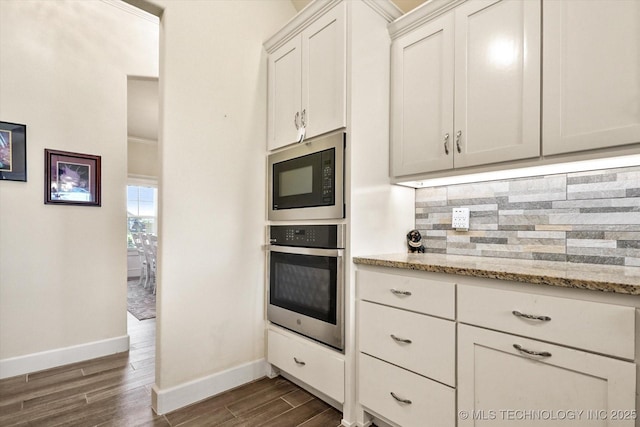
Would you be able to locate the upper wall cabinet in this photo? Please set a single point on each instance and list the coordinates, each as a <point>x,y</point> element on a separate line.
<point>307,81</point>
<point>485,108</point>
<point>591,60</point>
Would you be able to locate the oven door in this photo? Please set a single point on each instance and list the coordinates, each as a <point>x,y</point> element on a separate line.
<point>306,292</point>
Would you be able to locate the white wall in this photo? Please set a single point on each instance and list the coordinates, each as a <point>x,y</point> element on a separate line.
<point>212,152</point>
<point>63,73</point>
<point>142,157</point>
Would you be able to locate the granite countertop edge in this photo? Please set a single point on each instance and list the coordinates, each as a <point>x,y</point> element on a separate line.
<point>622,280</point>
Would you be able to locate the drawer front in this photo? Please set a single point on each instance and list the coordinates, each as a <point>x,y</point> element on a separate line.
<point>431,350</point>
<point>602,328</point>
<point>430,401</point>
<point>308,362</point>
<point>417,294</point>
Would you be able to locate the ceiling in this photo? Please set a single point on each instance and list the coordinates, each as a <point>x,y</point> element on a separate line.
<point>143,99</point>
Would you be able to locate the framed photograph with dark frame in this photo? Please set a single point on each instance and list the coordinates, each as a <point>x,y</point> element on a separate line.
<point>13,152</point>
<point>71,178</point>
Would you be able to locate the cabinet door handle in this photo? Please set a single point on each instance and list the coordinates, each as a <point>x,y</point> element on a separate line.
<point>295,120</point>
<point>299,362</point>
<point>531,352</point>
<point>458,136</point>
<point>402,340</point>
<point>402,293</point>
<point>531,316</point>
<point>304,118</point>
<point>399,399</point>
<point>446,144</point>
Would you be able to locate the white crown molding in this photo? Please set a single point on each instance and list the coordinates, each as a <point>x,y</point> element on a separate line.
<point>299,22</point>
<point>170,399</point>
<point>133,10</point>
<point>387,9</point>
<point>418,16</point>
<point>62,356</point>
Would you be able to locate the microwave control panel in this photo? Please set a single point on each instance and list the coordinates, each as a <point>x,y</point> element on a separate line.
<point>309,236</point>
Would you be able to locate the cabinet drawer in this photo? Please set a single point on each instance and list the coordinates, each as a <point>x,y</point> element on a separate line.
<point>602,328</point>
<point>308,362</point>
<point>431,403</point>
<point>411,293</point>
<point>431,351</point>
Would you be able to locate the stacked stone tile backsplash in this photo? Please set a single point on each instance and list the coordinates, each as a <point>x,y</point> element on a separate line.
<point>587,217</point>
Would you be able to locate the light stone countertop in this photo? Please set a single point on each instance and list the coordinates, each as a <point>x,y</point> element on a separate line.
<point>605,278</point>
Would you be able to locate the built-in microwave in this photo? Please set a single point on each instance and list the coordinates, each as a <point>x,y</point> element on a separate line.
<point>307,181</point>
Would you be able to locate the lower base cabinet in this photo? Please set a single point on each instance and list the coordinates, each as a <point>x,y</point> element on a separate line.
<point>506,380</point>
<point>405,398</point>
<point>319,367</point>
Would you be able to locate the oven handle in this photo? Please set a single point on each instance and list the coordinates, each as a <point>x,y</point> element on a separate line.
<point>337,253</point>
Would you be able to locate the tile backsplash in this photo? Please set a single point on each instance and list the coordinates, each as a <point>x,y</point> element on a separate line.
<point>587,217</point>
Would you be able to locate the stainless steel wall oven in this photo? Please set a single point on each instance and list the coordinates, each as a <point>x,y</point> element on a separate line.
<point>306,281</point>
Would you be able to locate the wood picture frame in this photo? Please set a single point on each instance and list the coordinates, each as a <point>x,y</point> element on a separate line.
<point>13,152</point>
<point>71,178</point>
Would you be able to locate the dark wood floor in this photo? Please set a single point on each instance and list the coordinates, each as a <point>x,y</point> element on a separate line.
<point>116,391</point>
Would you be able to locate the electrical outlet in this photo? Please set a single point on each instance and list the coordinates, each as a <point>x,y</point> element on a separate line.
<point>460,219</point>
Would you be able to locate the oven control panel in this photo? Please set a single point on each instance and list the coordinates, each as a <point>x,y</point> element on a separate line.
<point>308,236</point>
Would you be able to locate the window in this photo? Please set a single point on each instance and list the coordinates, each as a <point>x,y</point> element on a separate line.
<point>142,210</point>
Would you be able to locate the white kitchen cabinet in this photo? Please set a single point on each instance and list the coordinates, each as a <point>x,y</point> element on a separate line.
<point>493,115</point>
<point>406,354</point>
<point>591,75</point>
<point>422,98</point>
<point>500,384</point>
<point>307,81</point>
<point>319,367</point>
<point>403,398</point>
<point>505,350</point>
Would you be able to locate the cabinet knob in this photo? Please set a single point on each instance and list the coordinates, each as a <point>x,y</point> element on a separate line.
<point>446,144</point>
<point>458,137</point>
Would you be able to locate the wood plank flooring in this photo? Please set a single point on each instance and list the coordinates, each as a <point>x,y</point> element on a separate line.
<point>116,391</point>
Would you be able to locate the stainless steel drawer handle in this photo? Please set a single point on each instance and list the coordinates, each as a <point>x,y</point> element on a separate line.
<point>403,293</point>
<point>458,136</point>
<point>531,316</point>
<point>295,120</point>
<point>299,362</point>
<point>402,340</point>
<point>399,399</point>
<point>531,352</point>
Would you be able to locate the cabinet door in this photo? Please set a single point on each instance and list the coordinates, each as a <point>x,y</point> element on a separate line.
<point>497,81</point>
<point>591,91</point>
<point>324,73</point>
<point>499,385</point>
<point>422,99</point>
<point>284,94</point>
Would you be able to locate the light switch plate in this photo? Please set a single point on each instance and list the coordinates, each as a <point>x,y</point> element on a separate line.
<point>460,219</point>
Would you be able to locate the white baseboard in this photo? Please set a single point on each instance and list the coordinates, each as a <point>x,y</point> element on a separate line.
<point>167,400</point>
<point>62,356</point>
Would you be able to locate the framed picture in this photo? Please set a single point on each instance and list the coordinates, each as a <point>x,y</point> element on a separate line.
<point>13,152</point>
<point>71,178</point>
